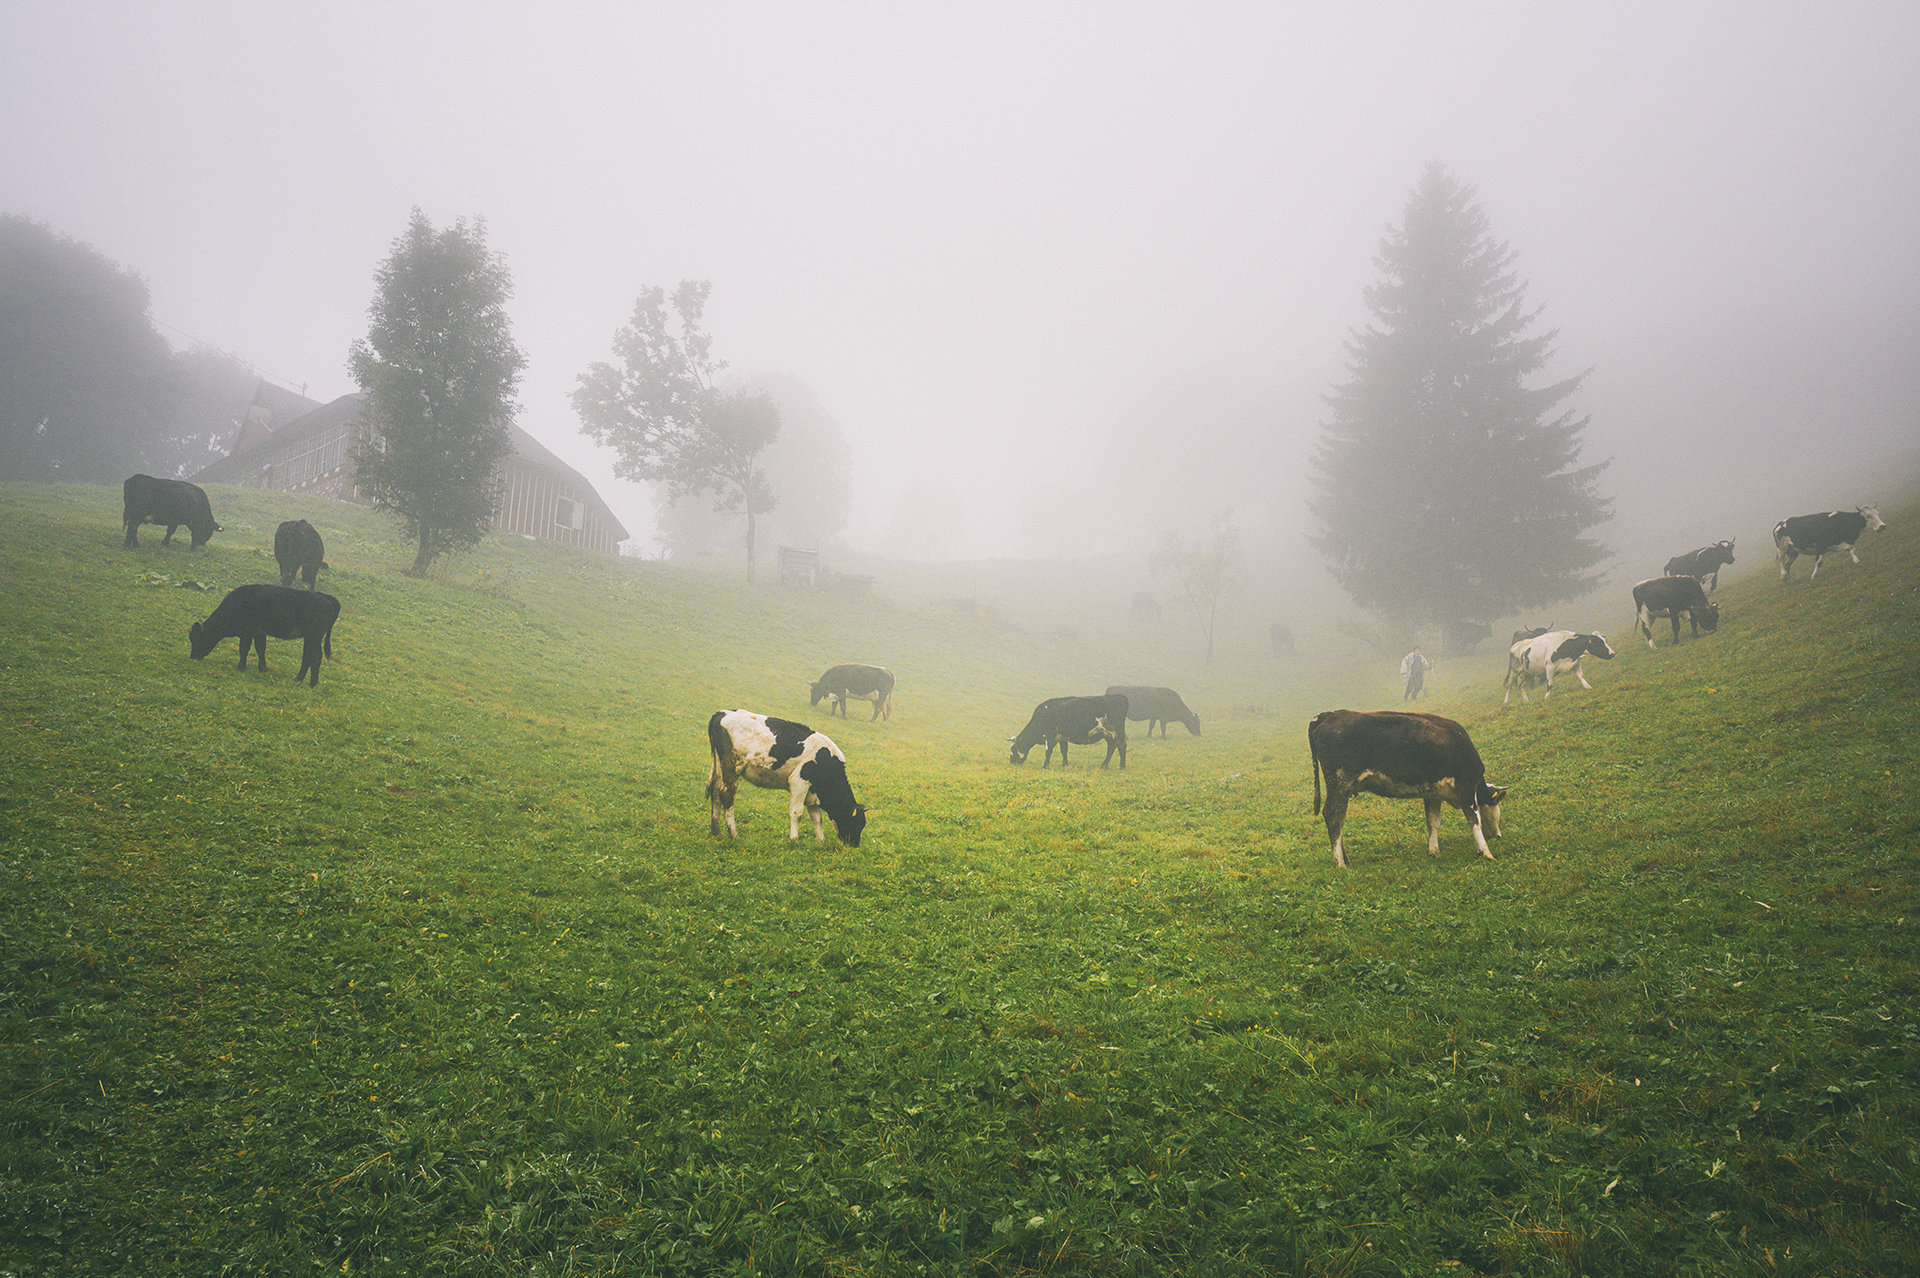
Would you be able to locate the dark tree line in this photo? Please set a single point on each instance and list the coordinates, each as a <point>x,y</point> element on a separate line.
<point>90,392</point>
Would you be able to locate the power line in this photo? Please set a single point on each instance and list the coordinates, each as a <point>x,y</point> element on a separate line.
<point>300,390</point>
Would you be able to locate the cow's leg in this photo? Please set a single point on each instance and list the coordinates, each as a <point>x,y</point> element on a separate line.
<point>1643,617</point>
<point>309,661</point>
<point>168,539</point>
<point>1676,627</point>
<point>1817,560</point>
<point>133,535</point>
<point>1582,675</point>
<point>245,641</point>
<point>722,785</point>
<point>1851,555</point>
<point>1474,818</point>
<point>1336,814</point>
<point>877,699</point>
<point>1433,827</point>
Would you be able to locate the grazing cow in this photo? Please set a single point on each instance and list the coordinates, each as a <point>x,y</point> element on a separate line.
<point>1704,563</point>
<point>299,549</point>
<point>169,503</point>
<point>1077,720</point>
<point>779,753</point>
<point>1531,632</point>
<point>1156,705</point>
<point>1671,596</point>
<point>251,613</point>
<point>1400,754</point>
<point>1817,534</point>
<point>1280,639</point>
<point>862,683</point>
<point>1554,653</point>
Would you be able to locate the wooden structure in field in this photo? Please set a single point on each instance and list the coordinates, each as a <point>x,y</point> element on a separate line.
<point>541,496</point>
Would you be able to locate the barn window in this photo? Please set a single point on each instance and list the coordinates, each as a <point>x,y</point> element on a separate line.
<point>568,513</point>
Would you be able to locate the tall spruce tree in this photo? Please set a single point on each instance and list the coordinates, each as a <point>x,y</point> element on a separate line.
<point>440,370</point>
<point>1446,486</point>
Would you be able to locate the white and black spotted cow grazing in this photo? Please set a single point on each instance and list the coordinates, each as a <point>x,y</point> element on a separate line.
<point>1546,656</point>
<point>1817,534</point>
<point>1704,563</point>
<point>780,754</point>
<point>1401,755</point>
<point>1669,597</point>
<point>1077,721</point>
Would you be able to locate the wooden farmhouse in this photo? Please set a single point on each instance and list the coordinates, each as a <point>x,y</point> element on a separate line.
<point>541,495</point>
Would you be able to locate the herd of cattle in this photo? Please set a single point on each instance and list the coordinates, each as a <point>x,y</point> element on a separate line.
<point>252,613</point>
<point>1392,753</point>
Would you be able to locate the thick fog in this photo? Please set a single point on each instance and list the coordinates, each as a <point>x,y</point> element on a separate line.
<point>1066,275</point>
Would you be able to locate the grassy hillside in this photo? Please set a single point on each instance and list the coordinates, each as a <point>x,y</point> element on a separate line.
<point>435,968</point>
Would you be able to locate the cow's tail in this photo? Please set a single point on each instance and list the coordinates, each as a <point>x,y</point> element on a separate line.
<point>1314,750</point>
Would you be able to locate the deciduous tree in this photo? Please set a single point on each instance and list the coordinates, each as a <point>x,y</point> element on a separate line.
<point>1203,573</point>
<point>1448,481</point>
<point>86,384</point>
<point>667,420</point>
<point>440,370</point>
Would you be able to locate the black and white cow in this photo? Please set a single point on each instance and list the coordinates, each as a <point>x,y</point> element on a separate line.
<point>300,552</point>
<point>1400,754</point>
<point>862,683</point>
<point>779,754</point>
<point>1704,563</point>
<point>1817,534</point>
<point>168,503</point>
<point>1545,656</point>
<point>1157,706</point>
<point>1669,597</point>
<point>1074,720</point>
<point>251,613</point>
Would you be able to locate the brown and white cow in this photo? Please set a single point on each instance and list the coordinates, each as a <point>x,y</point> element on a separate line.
<point>1400,754</point>
<point>777,754</point>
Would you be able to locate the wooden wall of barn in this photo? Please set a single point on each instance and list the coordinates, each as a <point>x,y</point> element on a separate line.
<point>530,506</point>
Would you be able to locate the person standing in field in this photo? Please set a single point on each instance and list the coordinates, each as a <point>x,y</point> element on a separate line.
<point>1413,668</point>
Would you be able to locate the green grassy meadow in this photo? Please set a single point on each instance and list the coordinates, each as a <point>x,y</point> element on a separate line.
<point>436,969</point>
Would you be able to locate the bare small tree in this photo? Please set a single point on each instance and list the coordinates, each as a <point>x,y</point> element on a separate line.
<point>660,410</point>
<point>1202,572</point>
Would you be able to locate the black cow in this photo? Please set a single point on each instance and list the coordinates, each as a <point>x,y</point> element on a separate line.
<point>1671,596</point>
<point>1400,754</point>
<point>1077,720</point>
<point>1531,632</point>
<point>779,754</point>
<point>859,682</point>
<point>299,549</point>
<point>251,613</point>
<point>1156,705</point>
<point>1817,534</point>
<point>1464,636</point>
<point>1704,563</point>
<point>170,503</point>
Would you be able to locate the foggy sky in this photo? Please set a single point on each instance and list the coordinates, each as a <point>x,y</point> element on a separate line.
<point>990,236</point>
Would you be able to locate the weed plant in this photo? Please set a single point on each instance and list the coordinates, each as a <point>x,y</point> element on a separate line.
<point>435,968</point>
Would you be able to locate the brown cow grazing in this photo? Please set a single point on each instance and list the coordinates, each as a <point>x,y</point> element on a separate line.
<point>1400,754</point>
<point>299,549</point>
<point>251,613</point>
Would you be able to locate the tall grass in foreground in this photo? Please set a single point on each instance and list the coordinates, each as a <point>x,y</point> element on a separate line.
<point>434,968</point>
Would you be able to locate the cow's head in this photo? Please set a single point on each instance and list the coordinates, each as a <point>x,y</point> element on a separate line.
<point>1597,646</point>
<point>1708,617</point>
<point>199,642</point>
<point>849,827</point>
<point>1726,548</point>
<point>1489,799</point>
<point>1017,752</point>
<point>1874,522</point>
<point>1193,724</point>
<point>818,691</point>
